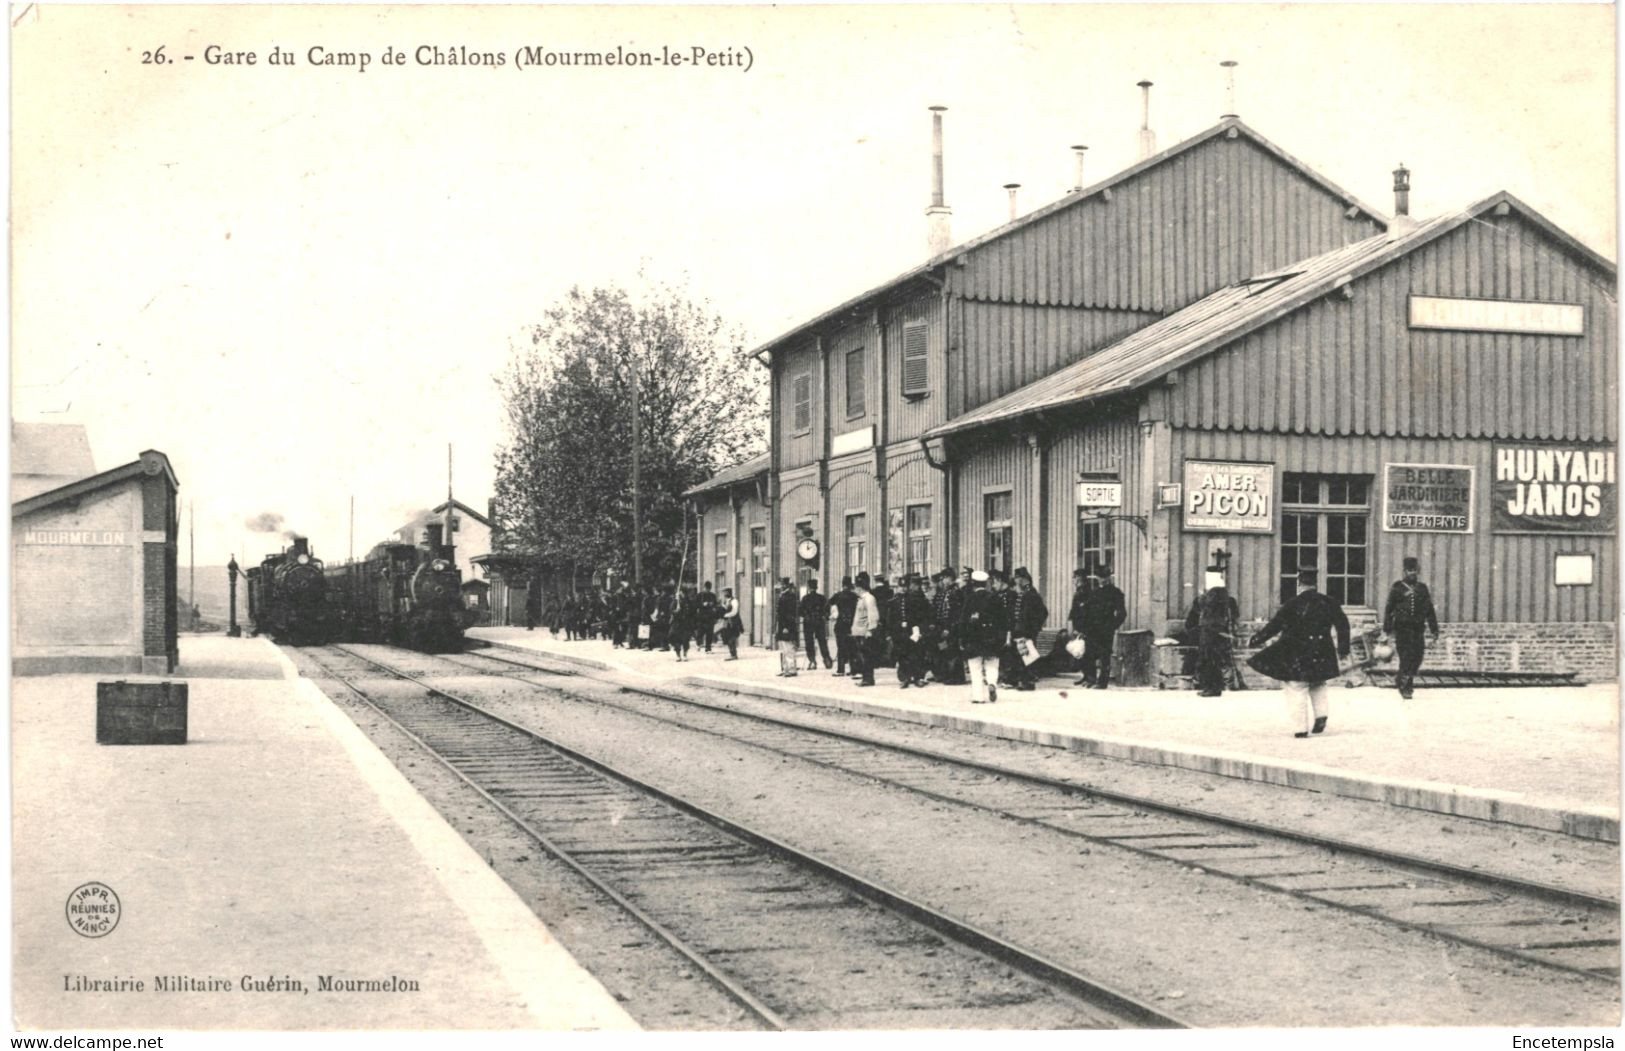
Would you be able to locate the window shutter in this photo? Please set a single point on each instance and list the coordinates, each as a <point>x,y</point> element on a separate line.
<point>803,399</point>
<point>916,367</point>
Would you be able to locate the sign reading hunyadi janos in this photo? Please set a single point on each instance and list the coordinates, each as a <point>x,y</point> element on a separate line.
<point>1553,489</point>
<point>1498,315</point>
<point>1427,498</point>
<point>1225,497</point>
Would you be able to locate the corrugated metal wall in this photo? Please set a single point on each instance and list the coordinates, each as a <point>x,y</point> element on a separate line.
<point>1223,210</point>
<point>1010,345</point>
<point>839,344</point>
<point>911,479</point>
<point>1111,445</point>
<point>797,449</point>
<point>1355,367</point>
<point>852,488</point>
<point>1476,577</point>
<point>799,500</point>
<point>994,462</point>
<point>909,417</point>
<point>719,518</point>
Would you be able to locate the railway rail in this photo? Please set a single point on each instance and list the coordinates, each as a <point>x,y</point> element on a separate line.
<point>795,940</point>
<point>1549,926</point>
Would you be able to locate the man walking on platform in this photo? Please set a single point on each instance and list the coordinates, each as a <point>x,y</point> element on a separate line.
<point>815,625</point>
<point>844,602</point>
<point>984,632</point>
<point>1213,617</point>
<point>1304,657</point>
<point>787,626</point>
<point>1409,610</point>
<point>1104,611</point>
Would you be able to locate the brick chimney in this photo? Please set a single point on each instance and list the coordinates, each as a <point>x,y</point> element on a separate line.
<point>938,239</point>
<point>1148,138</point>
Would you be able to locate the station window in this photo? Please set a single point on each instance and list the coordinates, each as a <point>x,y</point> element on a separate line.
<point>719,554</point>
<point>997,530</point>
<point>1326,525</point>
<point>1094,543</point>
<point>855,405</point>
<point>916,361</point>
<point>919,539</point>
<point>857,545</point>
<point>801,396</point>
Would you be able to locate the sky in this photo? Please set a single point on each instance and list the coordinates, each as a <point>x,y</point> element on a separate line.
<point>299,281</point>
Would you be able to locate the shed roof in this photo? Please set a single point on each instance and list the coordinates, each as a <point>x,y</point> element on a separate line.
<point>735,475</point>
<point>152,462</point>
<point>1224,127</point>
<point>1230,313</point>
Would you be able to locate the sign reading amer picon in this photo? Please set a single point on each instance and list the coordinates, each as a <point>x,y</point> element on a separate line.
<point>1228,497</point>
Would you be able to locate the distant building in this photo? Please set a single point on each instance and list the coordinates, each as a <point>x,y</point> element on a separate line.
<point>93,559</point>
<point>470,532</point>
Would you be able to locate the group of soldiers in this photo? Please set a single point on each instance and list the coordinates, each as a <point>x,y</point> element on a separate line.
<point>645,617</point>
<point>976,627</point>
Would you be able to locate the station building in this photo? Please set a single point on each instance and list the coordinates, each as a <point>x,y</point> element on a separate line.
<point>93,560</point>
<point>1218,354</point>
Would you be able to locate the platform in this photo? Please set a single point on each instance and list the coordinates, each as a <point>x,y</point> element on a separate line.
<point>277,845</point>
<point>1542,758</point>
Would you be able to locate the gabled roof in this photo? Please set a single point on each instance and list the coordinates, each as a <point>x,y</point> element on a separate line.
<point>152,462</point>
<point>465,509</point>
<point>1230,313</point>
<point>423,518</point>
<point>1223,128</point>
<point>735,475</point>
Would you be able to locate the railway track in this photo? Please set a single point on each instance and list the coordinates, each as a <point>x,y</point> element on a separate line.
<point>796,941</point>
<point>1551,927</point>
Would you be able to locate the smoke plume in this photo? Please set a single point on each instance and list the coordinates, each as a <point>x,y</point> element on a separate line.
<point>264,522</point>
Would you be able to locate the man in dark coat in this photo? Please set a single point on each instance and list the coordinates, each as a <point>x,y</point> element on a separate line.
<point>1076,616</point>
<point>1409,610</point>
<point>1104,611</point>
<point>787,626</point>
<point>946,666</point>
<point>815,625</point>
<point>843,603</point>
<point>708,610</point>
<point>880,639</point>
<point>1304,657</point>
<point>1027,616</point>
<point>911,622</point>
<point>1213,619</point>
<point>984,632</point>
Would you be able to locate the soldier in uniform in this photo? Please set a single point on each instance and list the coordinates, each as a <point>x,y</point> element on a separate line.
<point>709,611</point>
<point>1027,616</point>
<point>844,602</point>
<point>1304,657</point>
<point>1103,613</point>
<point>815,625</point>
<point>910,622</point>
<point>984,632</point>
<point>1409,610</point>
<point>1075,617</point>
<point>787,626</point>
<point>946,666</point>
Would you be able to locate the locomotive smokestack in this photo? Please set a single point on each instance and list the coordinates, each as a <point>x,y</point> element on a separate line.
<point>938,239</point>
<point>301,546</point>
<point>436,532</point>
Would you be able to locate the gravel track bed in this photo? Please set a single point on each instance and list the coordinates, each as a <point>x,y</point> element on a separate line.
<point>655,985</point>
<point>1218,952</point>
<point>818,955</point>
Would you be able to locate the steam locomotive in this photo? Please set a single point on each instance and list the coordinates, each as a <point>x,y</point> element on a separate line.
<point>400,594</point>
<point>287,596</point>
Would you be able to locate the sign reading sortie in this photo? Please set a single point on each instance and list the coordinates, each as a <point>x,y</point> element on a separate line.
<point>1553,489</point>
<point>1223,497</point>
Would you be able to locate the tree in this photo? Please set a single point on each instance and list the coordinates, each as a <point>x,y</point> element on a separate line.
<point>564,472</point>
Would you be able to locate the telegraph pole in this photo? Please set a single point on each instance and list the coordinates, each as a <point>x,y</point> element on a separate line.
<point>637,440</point>
<point>352,527</point>
<point>191,558</point>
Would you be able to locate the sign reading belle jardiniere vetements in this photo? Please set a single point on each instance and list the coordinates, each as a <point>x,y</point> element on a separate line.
<point>1224,497</point>
<point>1553,489</point>
<point>1427,498</point>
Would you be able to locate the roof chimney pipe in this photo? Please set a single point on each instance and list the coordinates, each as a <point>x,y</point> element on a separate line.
<point>1078,152</point>
<point>1402,190</point>
<point>1229,65</point>
<point>1148,138</point>
<point>938,240</point>
<point>1011,188</point>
